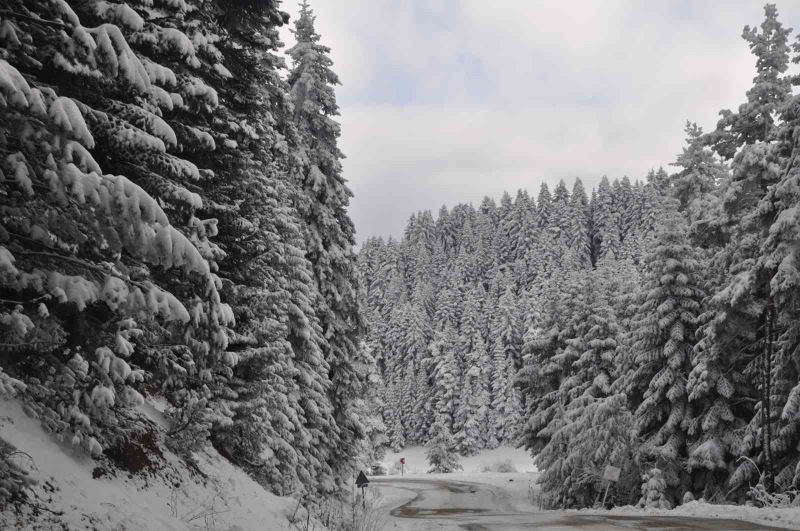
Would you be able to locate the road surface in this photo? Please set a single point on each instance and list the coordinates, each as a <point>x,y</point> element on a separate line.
<point>445,505</point>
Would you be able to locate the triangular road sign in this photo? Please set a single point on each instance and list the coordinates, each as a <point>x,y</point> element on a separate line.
<point>361,480</point>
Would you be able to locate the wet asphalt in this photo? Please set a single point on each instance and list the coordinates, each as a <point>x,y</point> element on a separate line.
<point>458,505</point>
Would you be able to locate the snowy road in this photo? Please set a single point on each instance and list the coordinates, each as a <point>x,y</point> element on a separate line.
<point>442,505</point>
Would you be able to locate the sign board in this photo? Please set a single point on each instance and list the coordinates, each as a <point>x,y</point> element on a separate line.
<point>361,480</point>
<point>611,473</point>
<point>402,460</point>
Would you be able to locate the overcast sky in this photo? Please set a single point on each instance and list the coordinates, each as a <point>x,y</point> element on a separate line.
<point>445,101</point>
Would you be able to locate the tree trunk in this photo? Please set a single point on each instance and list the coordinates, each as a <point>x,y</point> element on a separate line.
<point>769,475</point>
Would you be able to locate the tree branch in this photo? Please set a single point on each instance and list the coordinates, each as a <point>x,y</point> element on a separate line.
<point>20,16</point>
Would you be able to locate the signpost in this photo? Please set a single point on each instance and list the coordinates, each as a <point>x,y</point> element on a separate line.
<point>402,466</point>
<point>362,483</point>
<point>610,474</point>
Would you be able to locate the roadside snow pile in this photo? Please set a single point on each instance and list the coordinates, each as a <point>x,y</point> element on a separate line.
<point>74,492</point>
<point>785,517</point>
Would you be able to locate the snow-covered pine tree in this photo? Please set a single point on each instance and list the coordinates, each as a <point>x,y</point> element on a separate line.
<point>505,240</point>
<point>755,119</point>
<point>442,454</point>
<point>741,320</point>
<point>392,419</point>
<point>506,358</point>
<point>416,362</point>
<point>544,206</point>
<point>467,260</point>
<point>112,276</point>
<point>475,400</point>
<point>446,375</point>
<point>578,231</point>
<point>447,231</point>
<point>485,226</point>
<point>625,200</point>
<point>448,300</point>
<point>468,333</point>
<point>281,414</point>
<point>663,335</point>
<point>655,490</point>
<point>571,468</point>
<point>561,213</point>
<point>372,447</point>
<point>328,229</point>
<point>778,250</point>
<point>520,226</point>
<point>700,173</point>
<point>543,369</point>
<point>606,238</point>
<point>774,224</point>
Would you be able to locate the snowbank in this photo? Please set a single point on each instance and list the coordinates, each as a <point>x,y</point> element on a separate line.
<point>226,499</point>
<point>417,463</point>
<point>789,517</point>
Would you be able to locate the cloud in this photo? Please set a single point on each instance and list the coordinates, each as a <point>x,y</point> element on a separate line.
<point>448,101</point>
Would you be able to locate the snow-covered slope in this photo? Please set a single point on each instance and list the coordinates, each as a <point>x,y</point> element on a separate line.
<point>215,496</point>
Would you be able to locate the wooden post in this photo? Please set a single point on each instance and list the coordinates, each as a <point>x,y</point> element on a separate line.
<point>608,485</point>
<point>297,508</point>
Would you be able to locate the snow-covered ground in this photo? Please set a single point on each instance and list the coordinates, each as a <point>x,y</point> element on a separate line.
<point>417,463</point>
<point>227,499</point>
<point>787,517</point>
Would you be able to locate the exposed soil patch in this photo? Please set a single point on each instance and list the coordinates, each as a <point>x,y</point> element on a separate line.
<point>138,453</point>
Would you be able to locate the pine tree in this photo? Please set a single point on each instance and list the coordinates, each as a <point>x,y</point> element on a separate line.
<point>446,376</point>
<point>742,320</point>
<point>544,205</point>
<point>560,213</point>
<point>606,238</point>
<point>700,174</point>
<point>590,358</point>
<point>755,119</point>
<point>663,333</point>
<point>506,338</point>
<point>372,447</point>
<point>519,228</point>
<point>544,368</point>
<point>329,231</point>
<point>106,267</point>
<point>475,397</point>
<point>442,454</point>
<point>578,230</point>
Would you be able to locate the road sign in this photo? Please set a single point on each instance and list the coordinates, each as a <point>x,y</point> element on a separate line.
<point>362,483</point>
<point>611,473</point>
<point>402,460</point>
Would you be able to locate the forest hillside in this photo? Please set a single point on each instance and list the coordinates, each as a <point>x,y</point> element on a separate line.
<point>649,324</point>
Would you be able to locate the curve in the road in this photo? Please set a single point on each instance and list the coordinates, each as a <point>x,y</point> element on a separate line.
<point>498,514</point>
<point>411,508</point>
